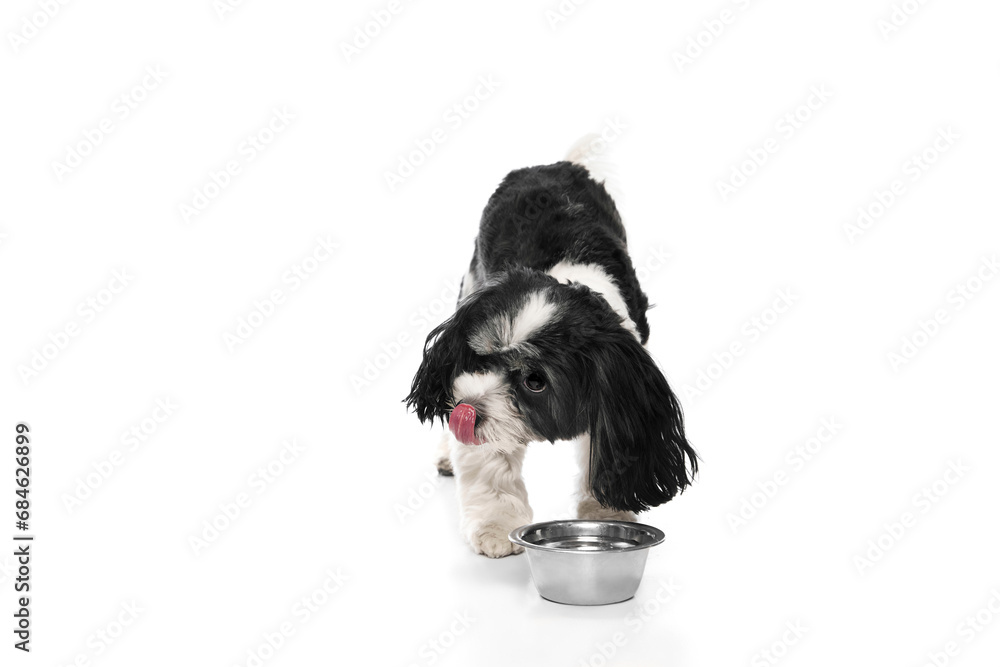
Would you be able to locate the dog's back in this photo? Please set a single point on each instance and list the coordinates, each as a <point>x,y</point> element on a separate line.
<point>558,216</point>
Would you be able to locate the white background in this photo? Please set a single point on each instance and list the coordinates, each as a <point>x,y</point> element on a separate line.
<point>357,498</point>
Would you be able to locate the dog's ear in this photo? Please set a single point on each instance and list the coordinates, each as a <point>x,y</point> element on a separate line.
<point>446,351</point>
<point>639,456</point>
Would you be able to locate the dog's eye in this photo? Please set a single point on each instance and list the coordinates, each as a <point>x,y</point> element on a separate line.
<point>535,382</point>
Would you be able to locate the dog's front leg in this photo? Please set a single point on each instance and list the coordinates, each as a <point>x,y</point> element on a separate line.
<point>492,496</point>
<point>587,506</point>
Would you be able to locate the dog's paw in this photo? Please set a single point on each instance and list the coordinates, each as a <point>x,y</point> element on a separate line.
<point>491,540</point>
<point>590,509</point>
<point>444,467</point>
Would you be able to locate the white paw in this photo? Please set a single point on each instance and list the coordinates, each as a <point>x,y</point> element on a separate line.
<point>590,509</point>
<point>491,540</point>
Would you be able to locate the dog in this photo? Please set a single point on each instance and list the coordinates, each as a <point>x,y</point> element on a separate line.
<point>548,342</point>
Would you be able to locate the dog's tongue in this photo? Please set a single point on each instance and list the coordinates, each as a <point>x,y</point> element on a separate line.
<point>462,423</point>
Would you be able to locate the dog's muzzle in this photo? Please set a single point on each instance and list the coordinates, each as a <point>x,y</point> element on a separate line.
<point>462,423</point>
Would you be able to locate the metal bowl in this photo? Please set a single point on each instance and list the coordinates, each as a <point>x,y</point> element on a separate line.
<point>586,562</point>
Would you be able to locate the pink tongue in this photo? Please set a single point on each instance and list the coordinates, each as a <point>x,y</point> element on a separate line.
<point>462,423</point>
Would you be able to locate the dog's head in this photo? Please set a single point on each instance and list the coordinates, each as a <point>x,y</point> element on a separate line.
<point>526,358</point>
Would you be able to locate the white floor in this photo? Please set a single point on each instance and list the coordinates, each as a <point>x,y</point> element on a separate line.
<point>170,320</point>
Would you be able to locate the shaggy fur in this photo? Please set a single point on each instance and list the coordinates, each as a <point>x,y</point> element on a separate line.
<point>548,343</point>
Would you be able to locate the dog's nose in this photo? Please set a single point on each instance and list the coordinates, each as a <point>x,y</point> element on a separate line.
<point>462,423</point>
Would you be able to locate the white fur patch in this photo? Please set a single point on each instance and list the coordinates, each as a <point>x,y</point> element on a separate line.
<point>502,427</point>
<point>492,496</point>
<point>594,277</point>
<point>589,152</point>
<point>505,332</point>
<point>478,388</point>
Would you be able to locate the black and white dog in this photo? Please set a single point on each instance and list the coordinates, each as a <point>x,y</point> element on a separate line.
<point>548,343</point>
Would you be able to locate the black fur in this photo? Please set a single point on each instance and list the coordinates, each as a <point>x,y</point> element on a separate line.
<point>540,216</point>
<point>600,379</point>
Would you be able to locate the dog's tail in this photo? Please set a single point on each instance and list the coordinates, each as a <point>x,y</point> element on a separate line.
<point>590,152</point>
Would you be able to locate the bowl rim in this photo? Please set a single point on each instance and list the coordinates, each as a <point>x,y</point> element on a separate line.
<point>517,536</point>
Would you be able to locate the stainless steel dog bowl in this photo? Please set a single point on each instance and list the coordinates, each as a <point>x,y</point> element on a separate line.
<point>586,562</point>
